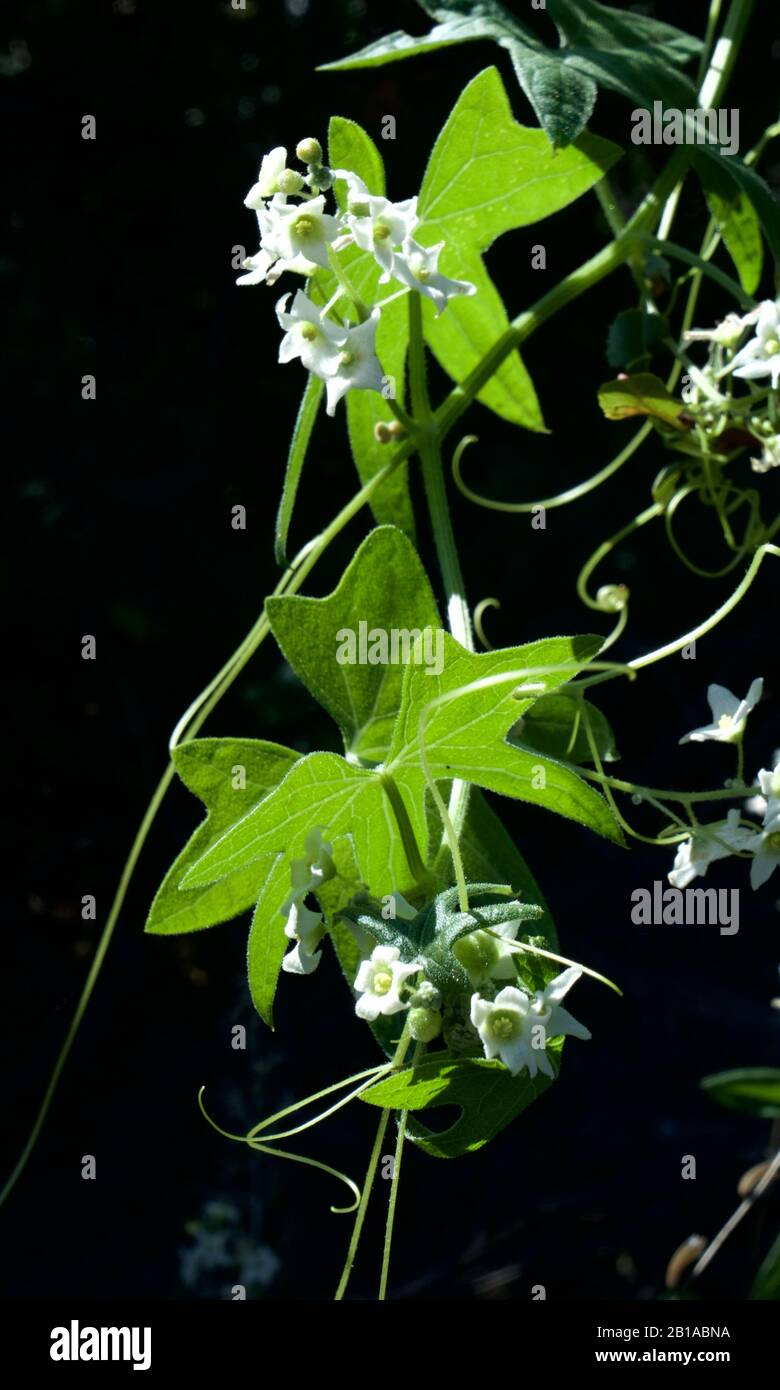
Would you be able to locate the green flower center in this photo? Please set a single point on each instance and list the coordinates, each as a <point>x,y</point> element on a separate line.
<point>382,982</point>
<point>504,1025</point>
<point>309,332</point>
<point>773,842</point>
<point>346,358</point>
<point>304,226</point>
<point>419,269</point>
<point>725,721</point>
<point>772,347</point>
<point>381,231</point>
<point>359,209</point>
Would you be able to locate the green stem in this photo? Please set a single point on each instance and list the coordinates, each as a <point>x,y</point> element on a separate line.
<point>94,971</point>
<point>458,616</point>
<point>392,1201</point>
<point>373,1163</point>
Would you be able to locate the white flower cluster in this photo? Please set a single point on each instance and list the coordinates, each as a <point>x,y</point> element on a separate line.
<point>302,237</point>
<point>756,360</point>
<point>719,839</point>
<point>514,1025</point>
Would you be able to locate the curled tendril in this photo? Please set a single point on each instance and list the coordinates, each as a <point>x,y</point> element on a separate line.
<point>561,498</point>
<point>267,1143</point>
<point>601,552</point>
<point>477,620</point>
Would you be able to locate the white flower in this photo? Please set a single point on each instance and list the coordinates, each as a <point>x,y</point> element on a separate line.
<point>376,224</point>
<point>717,840</point>
<point>306,929</point>
<point>766,850</point>
<point>268,264</point>
<point>358,365</point>
<point>769,782</point>
<point>257,268</point>
<point>416,266</point>
<point>315,340</point>
<point>484,958</point>
<point>291,230</point>
<point>507,1024</point>
<point>770,455</point>
<point>729,715</point>
<point>268,179</point>
<point>761,356</point>
<point>727,333</point>
<point>379,981</point>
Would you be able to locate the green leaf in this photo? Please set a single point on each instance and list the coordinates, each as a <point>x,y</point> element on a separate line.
<point>642,394</point>
<point>350,147</point>
<point>731,180</point>
<point>554,726</point>
<point>486,176</point>
<point>296,457</point>
<point>488,1097</point>
<point>465,739</point>
<point>322,789</point>
<point>767,1281</point>
<point>599,46</point>
<point>739,226</point>
<point>385,588</point>
<point>465,735</point>
<point>633,336</point>
<point>562,98</point>
<point>754,1090</point>
<point>208,767</point>
<point>267,941</point>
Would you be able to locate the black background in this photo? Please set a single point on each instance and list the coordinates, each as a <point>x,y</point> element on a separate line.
<point>117,257</point>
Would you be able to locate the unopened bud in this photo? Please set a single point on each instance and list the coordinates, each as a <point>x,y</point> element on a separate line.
<point>612,598</point>
<point>320,177</point>
<point>290,181</point>
<point>309,151</point>
<point>424,1024</point>
<point>426,996</point>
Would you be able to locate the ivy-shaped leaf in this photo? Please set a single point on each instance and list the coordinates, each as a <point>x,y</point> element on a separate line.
<point>465,735</point>
<point>488,1096</point>
<point>230,776</point>
<point>385,588</point>
<point>486,176</point>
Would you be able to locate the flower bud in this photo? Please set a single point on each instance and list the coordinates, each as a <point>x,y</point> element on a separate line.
<point>309,151</point>
<point>612,598</point>
<point>290,181</point>
<point>426,996</point>
<point>382,433</point>
<point>320,178</point>
<point>424,1024</point>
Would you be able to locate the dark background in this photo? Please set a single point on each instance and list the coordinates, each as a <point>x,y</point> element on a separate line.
<point>117,260</point>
